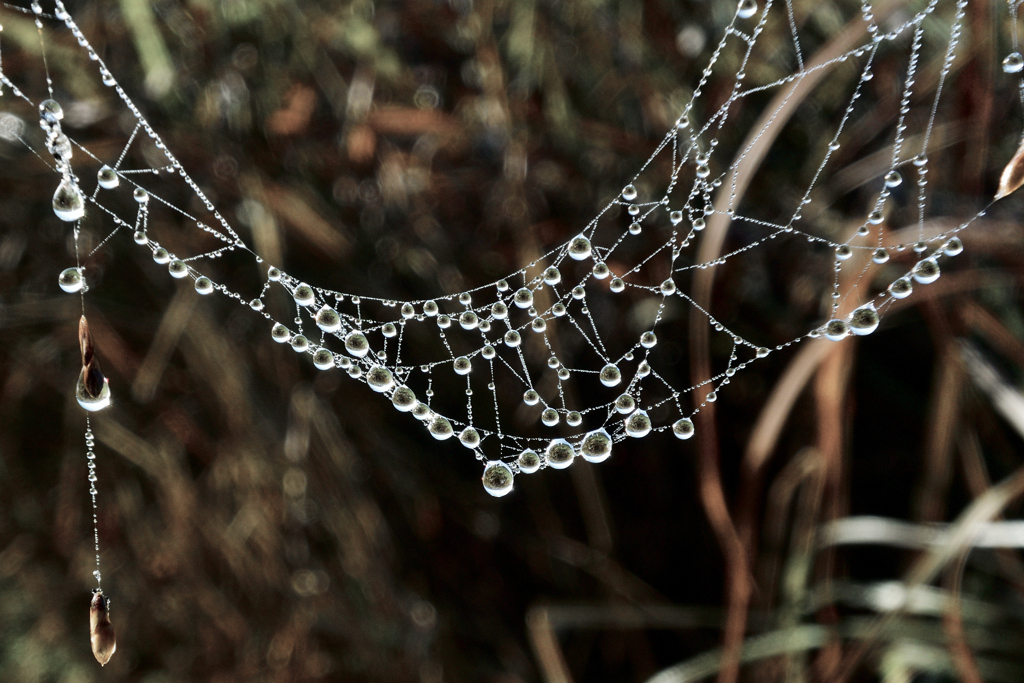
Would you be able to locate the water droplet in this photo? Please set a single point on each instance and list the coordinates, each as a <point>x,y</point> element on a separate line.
<point>746,9</point>
<point>539,325</point>
<point>648,340</point>
<point>304,295</point>
<point>465,298</point>
<point>273,274</point>
<point>617,285</point>
<point>440,428</point>
<point>107,178</point>
<point>629,193</point>
<point>574,418</point>
<point>462,366</point>
<point>610,375</point>
<point>444,322</point>
<point>762,352</point>
<point>531,397</point>
<point>51,111</point>
<point>921,159</point>
<point>875,217</point>
<point>926,271</point>
<point>141,196</point>
<point>404,399</point>
<point>596,446</point>
<point>880,255</point>
<point>635,228</point>
<point>836,330</point>
<point>497,478</point>
<point>502,286</point>
<point>68,203</point>
<point>299,343</point>
<point>563,373</point>
<point>203,285</point>
<point>430,308</point>
<point>177,269</point>
<point>578,292</point>
<point>668,287</point>
<point>1013,63</point>
<point>523,298</point>
<point>682,428</point>
<point>356,344</point>
<point>711,397</point>
<point>328,320</point>
<point>953,246</point>
<point>70,280</point>
<point>256,304</point>
<point>512,339</point>
<point>638,424</point>
<point>579,248</point>
<point>558,310</point>
<point>549,417</point>
<point>552,276</point>
<point>280,333</point>
<point>379,379</point>
<point>624,405</point>
<point>843,252</point>
<point>323,359</point>
<point>643,369</point>
<point>140,237</point>
<point>468,320</point>
<point>529,461</point>
<point>601,270</point>
<point>676,217</point>
<point>559,454</point>
<point>864,320</point>
<point>698,224</point>
<point>901,288</point>
<point>389,330</point>
<point>893,178</point>
<point>469,437</point>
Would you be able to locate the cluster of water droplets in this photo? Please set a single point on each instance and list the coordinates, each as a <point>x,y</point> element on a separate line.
<point>498,328</point>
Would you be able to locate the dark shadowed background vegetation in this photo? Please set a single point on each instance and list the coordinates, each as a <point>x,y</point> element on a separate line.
<point>263,521</point>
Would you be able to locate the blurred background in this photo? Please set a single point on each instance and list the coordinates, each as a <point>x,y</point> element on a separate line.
<point>263,521</point>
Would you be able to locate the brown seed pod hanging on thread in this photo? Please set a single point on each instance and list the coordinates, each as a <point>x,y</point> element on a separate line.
<point>101,631</point>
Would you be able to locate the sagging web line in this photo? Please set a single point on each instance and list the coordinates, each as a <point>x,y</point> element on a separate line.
<point>691,148</point>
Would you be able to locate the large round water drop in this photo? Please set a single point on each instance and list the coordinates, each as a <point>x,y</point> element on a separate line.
<point>864,320</point>
<point>629,193</point>
<point>552,276</point>
<point>579,248</point>
<point>836,330</point>
<point>596,446</point>
<point>625,404</point>
<point>469,437</point>
<point>559,454</point>
<point>497,478</point>
<point>682,428</point>
<point>51,111</point>
<point>746,9</point>
<point>926,271</point>
<point>328,320</point>
<point>203,285</point>
<point>356,344</point>
<point>379,379</point>
<point>94,400</point>
<point>70,280</point>
<point>404,399</point>
<point>1013,63</point>
<point>323,359</point>
<point>68,203</point>
<point>440,428</point>
<point>304,295</point>
<point>523,298</point>
<point>610,375</point>
<point>280,333</point>
<point>638,425</point>
<point>901,288</point>
<point>462,366</point>
<point>529,461</point>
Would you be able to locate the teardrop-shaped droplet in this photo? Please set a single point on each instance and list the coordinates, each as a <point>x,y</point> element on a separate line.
<point>107,178</point>
<point>668,287</point>
<point>638,424</point>
<point>101,631</point>
<point>864,320</point>
<point>51,111</point>
<point>625,404</point>
<point>497,478</point>
<point>70,280</point>
<point>92,390</point>
<point>876,217</point>
<point>596,446</point>
<point>356,344</point>
<point>328,320</point>
<point>469,437</point>
<point>529,461</point>
<point>682,428</point>
<point>404,399</point>
<point>953,247</point>
<point>304,295</point>
<point>629,193</point>
<point>68,203</point>
<point>579,248</point>
<point>140,195</point>
<point>559,454</point>
<point>843,252</point>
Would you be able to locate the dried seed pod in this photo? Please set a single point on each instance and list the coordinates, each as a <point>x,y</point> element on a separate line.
<point>101,631</point>
<point>1013,174</point>
<point>93,390</point>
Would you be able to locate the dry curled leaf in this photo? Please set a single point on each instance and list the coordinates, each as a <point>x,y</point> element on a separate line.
<point>1013,174</point>
<point>101,631</point>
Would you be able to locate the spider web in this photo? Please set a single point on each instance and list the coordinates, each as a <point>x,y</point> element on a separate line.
<point>505,337</point>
